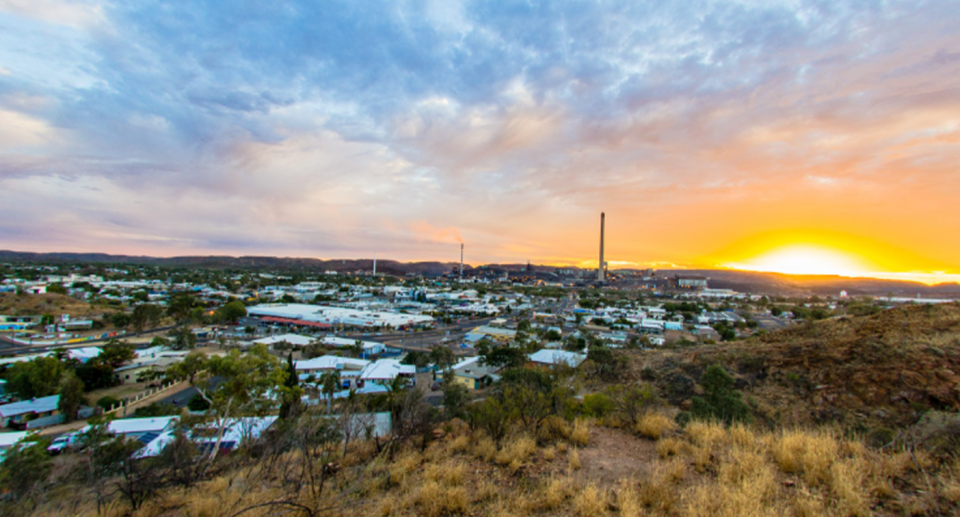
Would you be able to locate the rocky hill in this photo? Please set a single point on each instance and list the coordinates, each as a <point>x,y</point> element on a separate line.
<point>867,372</point>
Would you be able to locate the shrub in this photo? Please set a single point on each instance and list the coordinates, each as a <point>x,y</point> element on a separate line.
<point>720,401</point>
<point>597,405</point>
<point>198,403</point>
<point>107,402</point>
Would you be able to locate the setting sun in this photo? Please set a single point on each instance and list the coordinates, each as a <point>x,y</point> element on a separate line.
<point>804,260</point>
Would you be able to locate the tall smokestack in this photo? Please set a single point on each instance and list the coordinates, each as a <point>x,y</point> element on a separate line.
<point>600,275</point>
<point>374,264</point>
<point>461,261</point>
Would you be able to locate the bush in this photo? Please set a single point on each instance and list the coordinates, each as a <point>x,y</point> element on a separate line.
<point>198,403</point>
<point>107,402</point>
<point>597,405</point>
<point>720,401</point>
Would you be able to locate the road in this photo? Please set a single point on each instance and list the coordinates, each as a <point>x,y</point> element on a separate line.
<point>10,347</point>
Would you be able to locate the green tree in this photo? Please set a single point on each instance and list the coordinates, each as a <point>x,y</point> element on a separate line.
<point>720,401</point>
<point>71,396</point>
<point>442,356</point>
<point>145,314</point>
<point>56,289</point>
<point>120,320</point>
<point>416,358</point>
<point>184,339</point>
<point>232,312</point>
<point>454,398</point>
<point>290,406</point>
<point>234,384</point>
<point>39,377</point>
<point>180,307</point>
<point>330,384</point>
<point>503,357</point>
<point>25,468</point>
<point>117,353</point>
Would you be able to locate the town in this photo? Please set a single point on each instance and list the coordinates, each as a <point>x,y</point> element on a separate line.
<point>124,331</point>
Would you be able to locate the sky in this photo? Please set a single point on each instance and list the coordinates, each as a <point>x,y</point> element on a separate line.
<point>770,135</point>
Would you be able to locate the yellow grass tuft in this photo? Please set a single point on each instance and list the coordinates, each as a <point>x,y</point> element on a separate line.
<point>459,444</point>
<point>710,435</point>
<point>808,453</point>
<point>574,460</point>
<point>449,473</point>
<point>669,447</point>
<point>402,466</point>
<point>654,425</point>
<point>580,435</point>
<point>549,453</point>
<point>590,501</point>
<point>433,500</point>
<point>659,491</point>
<point>553,493</point>
<point>847,486</point>
<point>485,448</point>
<point>517,452</point>
<point>628,500</point>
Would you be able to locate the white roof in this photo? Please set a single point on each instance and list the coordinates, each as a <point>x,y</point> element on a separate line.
<point>236,431</point>
<point>329,362</point>
<point>337,315</point>
<point>293,339</point>
<point>40,405</point>
<point>11,439</point>
<point>549,356</point>
<point>466,362</point>
<point>386,369</point>
<point>141,425</point>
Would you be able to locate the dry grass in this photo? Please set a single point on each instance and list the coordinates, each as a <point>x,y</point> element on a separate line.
<point>517,452</point>
<point>660,491</point>
<point>449,473</point>
<point>628,500</point>
<point>549,453</point>
<point>434,499</point>
<point>807,453</point>
<point>707,470</point>
<point>669,447</point>
<point>459,444</point>
<point>848,488</point>
<point>950,483</point>
<point>654,425</point>
<point>573,461</point>
<point>580,435</point>
<point>402,466</point>
<point>484,448</point>
<point>553,493</point>
<point>590,501</point>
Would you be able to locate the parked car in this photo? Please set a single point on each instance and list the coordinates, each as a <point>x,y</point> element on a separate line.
<point>64,442</point>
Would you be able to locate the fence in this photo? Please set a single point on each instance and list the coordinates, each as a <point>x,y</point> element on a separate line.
<point>140,396</point>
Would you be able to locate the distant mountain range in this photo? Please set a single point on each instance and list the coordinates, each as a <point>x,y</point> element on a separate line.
<point>741,281</point>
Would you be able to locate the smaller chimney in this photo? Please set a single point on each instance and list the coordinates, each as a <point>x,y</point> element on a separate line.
<point>461,261</point>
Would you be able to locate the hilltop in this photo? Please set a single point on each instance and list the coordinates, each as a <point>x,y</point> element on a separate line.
<point>882,370</point>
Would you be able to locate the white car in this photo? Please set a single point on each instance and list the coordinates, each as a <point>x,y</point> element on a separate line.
<point>64,442</point>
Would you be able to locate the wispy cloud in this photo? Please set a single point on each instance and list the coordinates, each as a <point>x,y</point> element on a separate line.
<point>338,128</point>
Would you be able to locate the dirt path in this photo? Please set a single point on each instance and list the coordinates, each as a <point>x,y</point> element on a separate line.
<point>613,454</point>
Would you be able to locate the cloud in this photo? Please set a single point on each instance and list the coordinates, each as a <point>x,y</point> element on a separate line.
<point>295,127</point>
